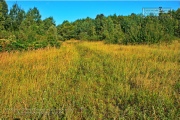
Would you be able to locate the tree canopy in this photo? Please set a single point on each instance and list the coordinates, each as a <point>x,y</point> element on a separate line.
<point>21,30</point>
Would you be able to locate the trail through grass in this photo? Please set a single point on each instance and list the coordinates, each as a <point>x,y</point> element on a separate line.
<point>91,80</point>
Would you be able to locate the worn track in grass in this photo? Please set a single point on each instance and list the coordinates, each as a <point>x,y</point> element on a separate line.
<point>91,80</point>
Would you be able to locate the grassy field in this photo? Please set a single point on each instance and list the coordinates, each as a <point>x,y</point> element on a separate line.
<point>91,80</point>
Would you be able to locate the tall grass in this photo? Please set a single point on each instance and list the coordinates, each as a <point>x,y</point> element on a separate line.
<point>91,80</point>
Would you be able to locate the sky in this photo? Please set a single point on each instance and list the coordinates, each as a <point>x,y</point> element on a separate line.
<point>73,10</point>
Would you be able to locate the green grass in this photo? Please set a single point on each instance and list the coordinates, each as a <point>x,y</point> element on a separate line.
<point>91,80</point>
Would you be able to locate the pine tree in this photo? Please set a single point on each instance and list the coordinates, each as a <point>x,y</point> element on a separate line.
<point>3,14</point>
<point>16,15</point>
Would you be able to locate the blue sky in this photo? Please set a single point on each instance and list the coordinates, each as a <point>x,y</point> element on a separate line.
<point>73,10</point>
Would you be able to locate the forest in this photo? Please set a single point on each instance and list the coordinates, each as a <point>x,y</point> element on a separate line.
<point>20,30</point>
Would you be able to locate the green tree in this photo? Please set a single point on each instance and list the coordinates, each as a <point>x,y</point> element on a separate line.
<point>65,30</point>
<point>152,30</point>
<point>3,14</point>
<point>3,19</point>
<point>168,24</point>
<point>108,30</point>
<point>100,25</point>
<point>30,26</point>
<point>84,29</point>
<point>48,22</point>
<point>52,36</point>
<point>177,17</point>
<point>16,15</point>
<point>88,27</point>
<point>131,27</point>
<point>33,15</point>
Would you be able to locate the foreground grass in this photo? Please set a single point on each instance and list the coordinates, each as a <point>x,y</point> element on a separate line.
<point>91,80</point>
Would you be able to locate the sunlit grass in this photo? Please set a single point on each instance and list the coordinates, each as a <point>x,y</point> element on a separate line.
<point>91,80</point>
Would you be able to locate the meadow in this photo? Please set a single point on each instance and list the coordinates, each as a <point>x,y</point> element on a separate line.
<point>91,80</point>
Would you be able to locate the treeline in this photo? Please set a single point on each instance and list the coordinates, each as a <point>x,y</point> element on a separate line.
<point>21,30</point>
<point>132,29</point>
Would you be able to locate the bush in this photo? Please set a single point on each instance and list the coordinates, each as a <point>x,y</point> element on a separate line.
<point>17,45</point>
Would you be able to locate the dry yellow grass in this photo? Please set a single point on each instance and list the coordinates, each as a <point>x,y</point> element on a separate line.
<point>91,80</point>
